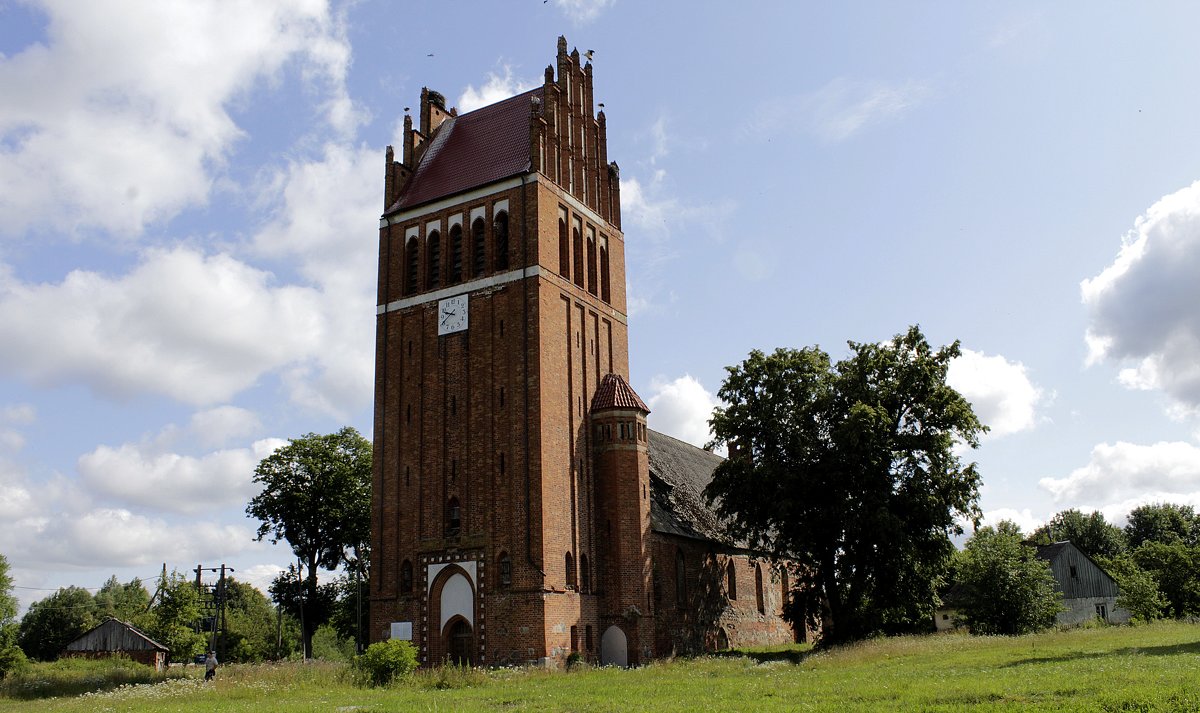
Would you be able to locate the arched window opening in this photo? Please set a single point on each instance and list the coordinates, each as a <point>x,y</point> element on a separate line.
<point>564,247</point>
<point>585,575</point>
<point>500,231</point>
<point>453,517</point>
<point>456,254</point>
<point>505,569</point>
<point>680,579</point>
<point>591,263</point>
<point>731,580</point>
<point>605,293</point>
<point>477,248</point>
<point>758,589</point>
<point>570,562</point>
<point>783,576</point>
<point>577,241</point>
<point>411,263</point>
<point>435,261</point>
<point>406,577</point>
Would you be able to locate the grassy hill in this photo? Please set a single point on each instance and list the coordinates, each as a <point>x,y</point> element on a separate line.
<point>1143,668</point>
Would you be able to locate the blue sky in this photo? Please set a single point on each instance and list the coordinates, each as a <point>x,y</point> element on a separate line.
<point>189,195</point>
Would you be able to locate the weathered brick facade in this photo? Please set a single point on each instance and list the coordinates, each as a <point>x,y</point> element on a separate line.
<point>512,495</point>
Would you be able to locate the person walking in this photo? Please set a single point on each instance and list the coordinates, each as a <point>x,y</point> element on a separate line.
<point>210,666</point>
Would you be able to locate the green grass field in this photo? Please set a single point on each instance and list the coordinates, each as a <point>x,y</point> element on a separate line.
<point>1145,668</point>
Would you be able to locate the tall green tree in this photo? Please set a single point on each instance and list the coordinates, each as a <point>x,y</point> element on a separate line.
<point>121,601</point>
<point>851,471</point>
<point>11,655</point>
<point>1174,567</point>
<point>252,624</point>
<point>1139,591</point>
<point>55,621</point>
<point>1091,533</point>
<point>1003,587</point>
<point>316,496</point>
<point>1163,522</point>
<point>172,622</point>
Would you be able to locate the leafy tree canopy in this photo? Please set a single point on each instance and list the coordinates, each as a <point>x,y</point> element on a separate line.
<point>53,622</point>
<point>317,497</point>
<point>1139,589</point>
<point>1090,533</point>
<point>1173,567</point>
<point>850,470</point>
<point>172,621</point>
<point>1163,522</point>
<point>1003,587</point>
<point>11,656</point>
<point>121,601</point>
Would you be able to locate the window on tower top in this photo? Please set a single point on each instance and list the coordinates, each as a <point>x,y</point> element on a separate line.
<point>500,231</point>
<point>591,262</point>
<point>564,246</point>
<point>604,290</point>
<point>456,254</point>
<point>577,241</point>
<point>505,569</point>
<point>435,261</point>
<point>477,255</point>
<point>412,263</point>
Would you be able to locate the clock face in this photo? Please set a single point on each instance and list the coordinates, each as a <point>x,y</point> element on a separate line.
<point>452,315</point>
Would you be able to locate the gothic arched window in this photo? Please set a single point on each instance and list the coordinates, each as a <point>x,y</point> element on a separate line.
<point>577,242</point>
<point>604,290</point>
<point>570,564</point>
<point>564,247</point>
<point>434,256</point>
<point>731,579</point>
<point>406,577</point>
<point>758,589</point>
<point>591,262</point>
<point>411,266</point>
<point>680,579</point>
<point>456,254</point>
<point>500,232</point>
<point>453,517</point>
<point>505,569</point>
<point>477,257</point>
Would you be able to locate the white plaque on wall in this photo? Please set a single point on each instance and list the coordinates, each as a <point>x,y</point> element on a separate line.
<point>401,630</point>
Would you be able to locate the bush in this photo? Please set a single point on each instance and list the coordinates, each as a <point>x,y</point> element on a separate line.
<point>384,661</point>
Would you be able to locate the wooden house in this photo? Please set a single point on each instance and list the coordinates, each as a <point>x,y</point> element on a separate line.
<point>1088,591</point>
<point>115,637</point>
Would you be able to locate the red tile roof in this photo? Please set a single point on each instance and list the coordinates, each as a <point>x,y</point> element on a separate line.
<point>614,392</point>
<point>472,150</point>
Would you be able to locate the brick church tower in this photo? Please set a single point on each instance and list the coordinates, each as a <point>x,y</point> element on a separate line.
<point>511,504</point>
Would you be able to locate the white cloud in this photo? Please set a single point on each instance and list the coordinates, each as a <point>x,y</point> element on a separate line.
<point>1023,519</point>
<point>1000,391</point>
<point>125,127</point>
<point>581,12</point>
<point>837,111</point>
<point>322,202</point>
<point>193,327</point>
<point>218,426</point>
<point>1121,473</point>
<point>18,414</point>
<point>1142,308</point>
<point>681,408</point>
<point>496,87</point>
<point>135,474</point>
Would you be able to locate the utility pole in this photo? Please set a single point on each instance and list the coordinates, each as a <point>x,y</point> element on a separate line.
<point>216,606</point>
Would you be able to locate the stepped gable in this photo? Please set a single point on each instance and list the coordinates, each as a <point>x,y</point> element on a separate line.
<point>615,392</point>
<point>679,472</point>
<point>472,150</point>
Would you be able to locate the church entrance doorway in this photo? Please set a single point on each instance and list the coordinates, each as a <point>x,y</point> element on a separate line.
<point>460,643</point>
<point>614,647</point>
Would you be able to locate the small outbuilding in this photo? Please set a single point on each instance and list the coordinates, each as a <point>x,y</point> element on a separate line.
<point>115,637</point>
<point>1088,591</point>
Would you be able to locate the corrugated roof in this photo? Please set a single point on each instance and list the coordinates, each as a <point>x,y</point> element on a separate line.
<point>472,150</point>
<point>615,392</point>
